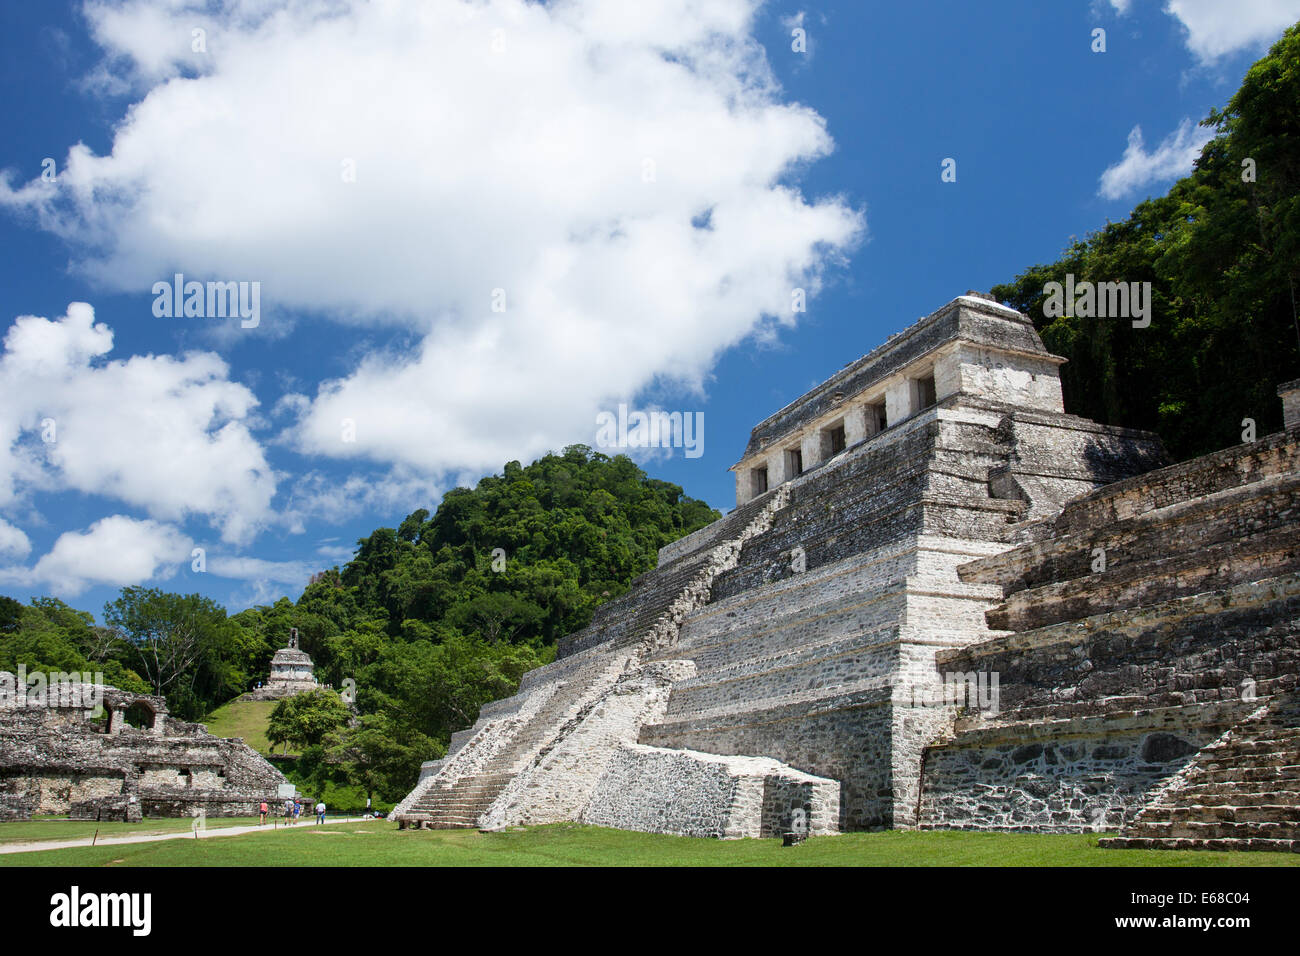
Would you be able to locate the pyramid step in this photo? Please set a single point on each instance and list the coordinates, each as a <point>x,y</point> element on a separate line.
<point>1184,843</point>
<point>1148,580</point>
<point>1212,831</point>
<point>1235,796</point>
<point>1286,772</point>
<point>1198,813</point>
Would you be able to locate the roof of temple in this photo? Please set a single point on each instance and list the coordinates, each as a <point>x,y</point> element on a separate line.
<point>971,318</point>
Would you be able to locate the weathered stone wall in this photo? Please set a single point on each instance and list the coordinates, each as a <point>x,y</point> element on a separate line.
<point>1084,774</point>
<point>705,795</point>
<point>1289,392</point>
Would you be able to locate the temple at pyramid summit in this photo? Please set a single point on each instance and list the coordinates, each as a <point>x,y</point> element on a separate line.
<point>940,602</point>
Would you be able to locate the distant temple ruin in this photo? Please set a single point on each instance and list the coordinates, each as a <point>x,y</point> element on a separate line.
<point>941,601</point>
<point>125,759</point>
<point>292,673</point>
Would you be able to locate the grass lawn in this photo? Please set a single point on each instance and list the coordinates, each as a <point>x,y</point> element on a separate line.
<point>61,828</point>
<point>243,718</point>
<point>379,843</point>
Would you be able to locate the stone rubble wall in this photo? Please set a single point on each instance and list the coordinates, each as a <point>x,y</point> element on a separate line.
<point>1080,775</point>
<point>54,763</point>
<point>705,795</point>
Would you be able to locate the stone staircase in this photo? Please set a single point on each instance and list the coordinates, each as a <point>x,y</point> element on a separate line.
<point>1240,793</point>
<point>459,806</point>
<point>457,800</point>
<point>516,734</point>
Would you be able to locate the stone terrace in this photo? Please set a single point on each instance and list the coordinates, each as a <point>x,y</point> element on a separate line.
<point>1145,621</point>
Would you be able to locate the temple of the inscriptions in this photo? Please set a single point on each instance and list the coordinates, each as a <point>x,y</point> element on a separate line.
<point>940,602</point>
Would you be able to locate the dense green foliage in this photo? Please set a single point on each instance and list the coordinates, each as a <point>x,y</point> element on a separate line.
<point>1223,259</point>
<point>305,719</point>
<point>427,623</point>
<point>186,648</point>
<point>50,636</point>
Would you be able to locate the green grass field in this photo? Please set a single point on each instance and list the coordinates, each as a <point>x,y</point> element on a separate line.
<point>380,843</point>
<point>243,718</point>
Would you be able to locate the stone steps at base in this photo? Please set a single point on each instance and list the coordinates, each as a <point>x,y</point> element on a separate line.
<point>1183,843</point>
<point>1234,761</point>
<point>1221,813</point>
<point>1233,795</point>
<point>1251,774</point>
<point>1193,829</point>
<point>457,806</point>
<point>1243,789</point>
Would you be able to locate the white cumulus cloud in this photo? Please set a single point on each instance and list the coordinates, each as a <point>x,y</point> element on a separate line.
<point>116,551</point>
<point>14,543</point>
<point>1139,168</point>
<point>1216,28</point>
<point>620,177</point>
<point>166,434</point>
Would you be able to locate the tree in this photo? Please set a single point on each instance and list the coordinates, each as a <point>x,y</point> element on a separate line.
<point>305,719</point>
<point>382,756</point>
<point>183,645</point>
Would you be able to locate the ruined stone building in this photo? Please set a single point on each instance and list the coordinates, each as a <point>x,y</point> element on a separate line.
<point>56,756</point>
<point>941,601</point>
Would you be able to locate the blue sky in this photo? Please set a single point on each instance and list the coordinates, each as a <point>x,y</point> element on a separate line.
<point>475,227</point>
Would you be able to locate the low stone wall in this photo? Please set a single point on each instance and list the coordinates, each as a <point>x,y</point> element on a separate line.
<point>122,808</point>
<point>212,803</point>
<point>704,795</point>
<point>14,806</point>
<point>847,738</point>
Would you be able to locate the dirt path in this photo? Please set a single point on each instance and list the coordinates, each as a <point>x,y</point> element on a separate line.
<point>204,834</point>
